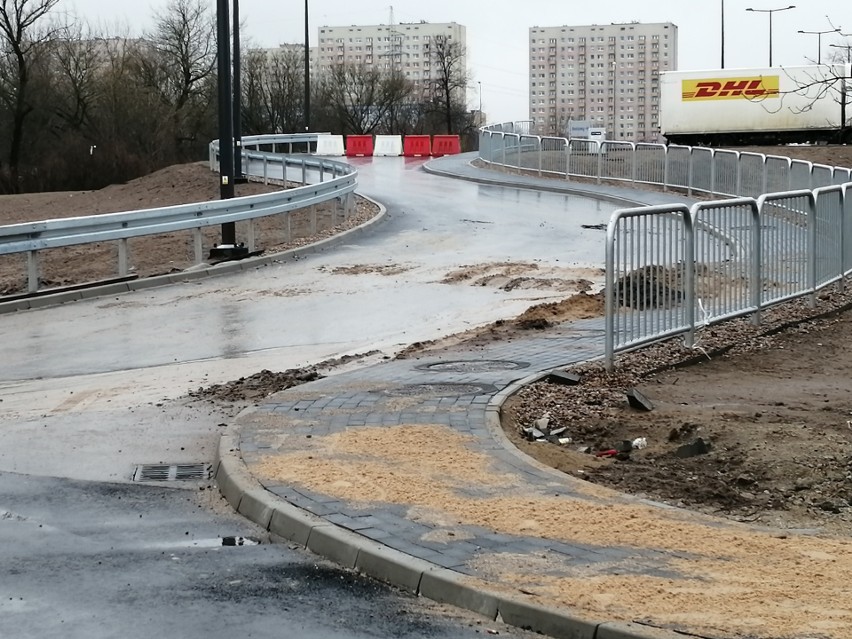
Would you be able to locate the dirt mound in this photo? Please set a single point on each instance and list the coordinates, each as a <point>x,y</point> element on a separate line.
<point>538,317</point>
<point>757,426</point>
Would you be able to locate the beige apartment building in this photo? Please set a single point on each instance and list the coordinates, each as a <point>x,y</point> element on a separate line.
<point>405,47</point>
<point>606,74</point>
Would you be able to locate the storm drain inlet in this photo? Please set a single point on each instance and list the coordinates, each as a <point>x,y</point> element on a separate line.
<point>173,472</point>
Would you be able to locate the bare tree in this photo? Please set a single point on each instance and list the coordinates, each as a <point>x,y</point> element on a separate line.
<point>358,99</point>
<point>22,35</point>
<point>273,90</point>
<point>181,62</point>
<point>448,95</point>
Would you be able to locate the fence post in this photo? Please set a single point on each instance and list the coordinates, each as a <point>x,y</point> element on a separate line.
<point>568,159</point>
<point>634,159</point>
<point>689,275</point>
<point>32,271</point>
<point>712,172</point>
<point>666,168</point>
<point>540,154</point>
<point>812,249</point>
<point>757,261</point>
<point>600,160</point>
<point>609,295</point>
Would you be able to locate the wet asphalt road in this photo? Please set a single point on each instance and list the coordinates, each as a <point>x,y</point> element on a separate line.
<point>93,388</point>
<point>92,559</point>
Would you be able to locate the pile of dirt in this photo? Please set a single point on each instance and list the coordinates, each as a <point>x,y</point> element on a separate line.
<point>757,426</point>
<point>163,253</point>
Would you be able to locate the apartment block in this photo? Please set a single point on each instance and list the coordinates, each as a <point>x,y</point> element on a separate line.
<point>406,47</point>
<point>608,75</point>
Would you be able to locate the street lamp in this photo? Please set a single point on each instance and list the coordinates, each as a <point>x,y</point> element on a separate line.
<point>819,35</point>
<point>770,12</point>
<point>307,73</point>
<point>723,34</point>
<point>848,48</point>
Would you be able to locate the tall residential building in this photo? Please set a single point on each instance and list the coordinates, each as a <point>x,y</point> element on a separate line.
<point>606,74</point>
<point>407,47</point>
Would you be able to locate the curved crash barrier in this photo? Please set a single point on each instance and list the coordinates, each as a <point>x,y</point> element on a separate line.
<point>415,146</point>
<point>388,146</point>
<point>446,145</point>
<point>330,145</point>
<point>359,146</point>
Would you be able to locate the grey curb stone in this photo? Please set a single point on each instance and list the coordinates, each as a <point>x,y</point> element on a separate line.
<point>446,586</point>
<point>392,566</point>
<point>621,630</point>
<point>254,505</point>
<point>554,623</point>
<point>293,524</point>
<point>337,544</point>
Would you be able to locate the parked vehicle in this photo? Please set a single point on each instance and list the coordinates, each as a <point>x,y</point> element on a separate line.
<point>781,105</point>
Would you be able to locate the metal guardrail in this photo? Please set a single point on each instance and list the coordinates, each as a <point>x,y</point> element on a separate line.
<point>783,231</point>
<point>331,180</point>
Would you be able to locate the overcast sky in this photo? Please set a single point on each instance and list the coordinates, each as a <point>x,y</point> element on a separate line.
<point>497,30</point>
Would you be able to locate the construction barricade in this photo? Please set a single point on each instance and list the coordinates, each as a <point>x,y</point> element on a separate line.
<point>446,145</point>
<point>388,146</point>
<point>329,145</point>
<point>359,146</point>
<point>415,146</point>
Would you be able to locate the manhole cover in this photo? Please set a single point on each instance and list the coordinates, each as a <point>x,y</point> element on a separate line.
<point>172,472</point>
<point>416,390</point>
<point>474,366</point>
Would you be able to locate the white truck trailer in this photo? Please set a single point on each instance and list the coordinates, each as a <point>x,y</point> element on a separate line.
<point>782,105</point>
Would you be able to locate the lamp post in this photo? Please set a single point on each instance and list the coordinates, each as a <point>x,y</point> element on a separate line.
<point>226,122</point>
<point>819,35</point>
<point>239,176</point>
<point>843,88</point>
<point>723,34</point>
<point>307,73</point>
<point>770,12</point>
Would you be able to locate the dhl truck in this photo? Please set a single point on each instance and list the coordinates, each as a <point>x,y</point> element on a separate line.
<point>782,105</point>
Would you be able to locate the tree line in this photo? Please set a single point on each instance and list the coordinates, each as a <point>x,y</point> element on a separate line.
<point>81,108</point>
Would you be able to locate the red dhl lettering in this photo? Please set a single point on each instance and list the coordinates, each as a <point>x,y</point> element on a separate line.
<point>748,88</point>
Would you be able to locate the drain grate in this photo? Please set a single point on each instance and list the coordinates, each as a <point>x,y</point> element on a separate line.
<point>172,472</point>
<point>474,366</point>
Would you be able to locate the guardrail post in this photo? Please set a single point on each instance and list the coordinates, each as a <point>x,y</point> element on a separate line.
<point>122,258</point>
<point>251,234</point>
<point>32,271</point>
<point>197,245</point>
<point>313,215</point>
<point>304,171</point>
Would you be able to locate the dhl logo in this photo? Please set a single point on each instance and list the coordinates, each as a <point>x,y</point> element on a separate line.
<point>755,88</point>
